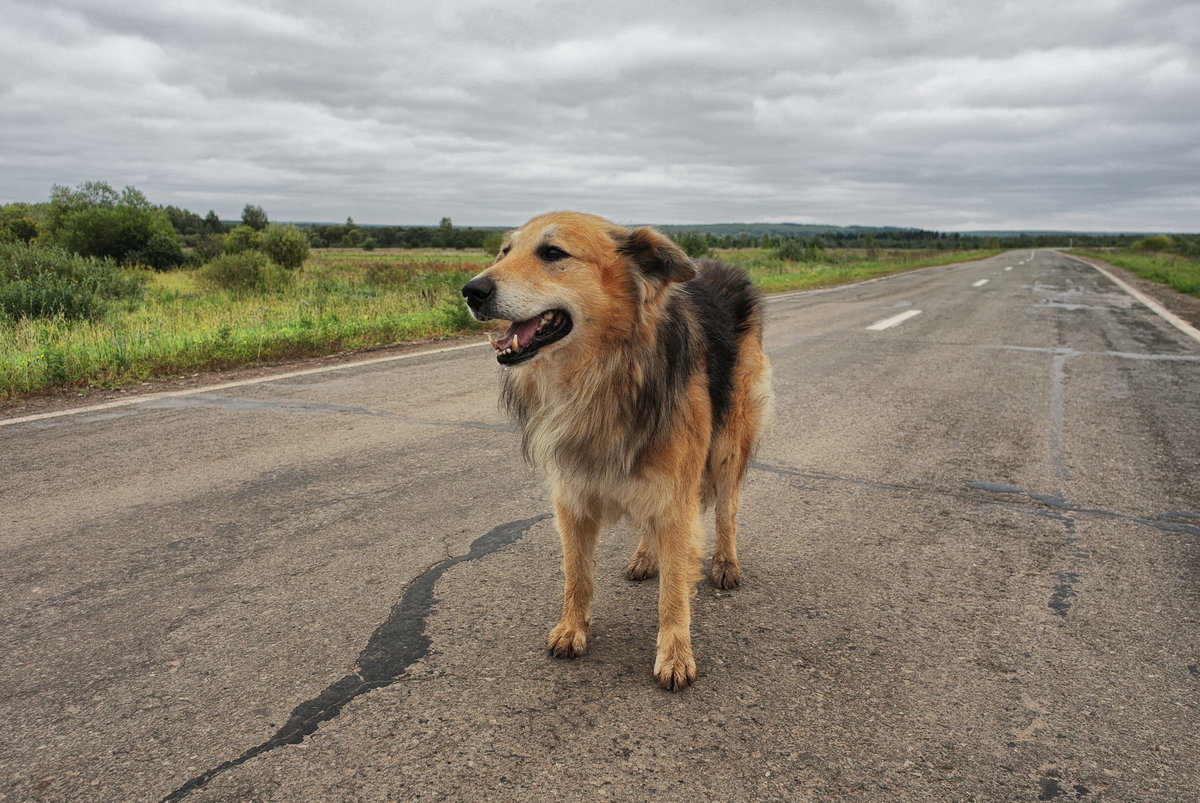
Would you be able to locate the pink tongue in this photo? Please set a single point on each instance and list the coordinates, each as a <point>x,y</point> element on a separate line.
<point>524,330</point>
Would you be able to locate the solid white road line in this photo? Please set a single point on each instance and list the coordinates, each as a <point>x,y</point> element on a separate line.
<point>888,323</point>
<point>1159,309</point>
<point>979,283</point>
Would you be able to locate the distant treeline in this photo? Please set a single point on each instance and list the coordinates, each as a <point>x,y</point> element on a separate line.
<point>94,219</point>
<point>774,235</point>
<point>352,235</point>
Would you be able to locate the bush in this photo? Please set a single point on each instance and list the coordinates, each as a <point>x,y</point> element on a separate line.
<point>209,246</point>
<point>244,272</point>
<point>287,246</point>
<point>38,281</point>
<point>96,221</point>
<point>694,244</point>
<point>161,252</point>
<point>24,229</point>
<point>790,250</point>
<point>242,238</point>
<point>1155,242</point>
<point>493,243</point>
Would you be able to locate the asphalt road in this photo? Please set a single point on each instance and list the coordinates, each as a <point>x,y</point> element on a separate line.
<point>971,545</point>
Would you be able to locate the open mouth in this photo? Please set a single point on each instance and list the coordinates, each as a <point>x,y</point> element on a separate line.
<point>525,338</point>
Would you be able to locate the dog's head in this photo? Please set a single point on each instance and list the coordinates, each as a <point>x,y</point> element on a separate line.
<point>566,278</point>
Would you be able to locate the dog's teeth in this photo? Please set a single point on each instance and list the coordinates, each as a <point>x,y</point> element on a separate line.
<point>516,346</point>
<point>491,339</point>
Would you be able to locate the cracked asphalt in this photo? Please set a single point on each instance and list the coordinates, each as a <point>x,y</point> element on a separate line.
<point>971,544</point>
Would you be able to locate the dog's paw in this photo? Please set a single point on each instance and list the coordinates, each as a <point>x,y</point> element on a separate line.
<point>726,573</point>
<point>641,567</point>
<point>675,668</point>
<point>567,641</point>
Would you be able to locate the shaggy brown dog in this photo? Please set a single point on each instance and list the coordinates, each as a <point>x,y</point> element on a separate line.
<point>641,388</point>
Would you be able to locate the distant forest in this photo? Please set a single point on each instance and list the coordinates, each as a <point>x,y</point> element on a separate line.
<point>95,219</point>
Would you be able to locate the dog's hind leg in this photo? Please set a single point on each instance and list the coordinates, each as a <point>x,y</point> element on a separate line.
<point>578,530</point>
<point>726,571</point>
<point>644,563</point>
<point>730,456</point>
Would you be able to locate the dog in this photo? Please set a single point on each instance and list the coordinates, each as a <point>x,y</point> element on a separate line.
<point>640,386</point>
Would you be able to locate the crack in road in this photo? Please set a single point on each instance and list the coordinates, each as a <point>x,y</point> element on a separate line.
<point>1038,504</point>
<point>1047,505</point>
<point>394,646</point>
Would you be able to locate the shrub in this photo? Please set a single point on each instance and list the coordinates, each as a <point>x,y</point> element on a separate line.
<point>244,272</point>
<point>38,281</point>
<point>95,220</point>
<point>790,250</point>
<point>161,252</point>
<point>493,243</point>
<point>287,246</point>
<point>1155,242</point>
<point>209,246</point>
<point>242,238</point>
<point>694,244</point>
<point>24,229</point>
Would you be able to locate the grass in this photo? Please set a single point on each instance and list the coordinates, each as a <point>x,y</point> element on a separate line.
<point>1180,273</point>
<point>341,300</point>
<point>773,275</point>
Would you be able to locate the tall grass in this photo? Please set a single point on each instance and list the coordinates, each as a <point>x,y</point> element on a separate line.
<point>183,327</point>
<point>340,300</point>
<point>773,275</point>
<point>1180,273</point>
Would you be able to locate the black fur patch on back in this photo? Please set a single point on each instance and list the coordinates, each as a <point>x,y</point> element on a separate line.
<point>725,305</point>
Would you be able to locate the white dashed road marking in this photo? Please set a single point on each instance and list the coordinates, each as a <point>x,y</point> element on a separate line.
<point>887,323</point>
<point>979,283</point>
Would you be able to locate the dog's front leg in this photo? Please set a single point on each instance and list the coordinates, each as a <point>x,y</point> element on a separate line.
<point>679,569</point>
<point>578,530</point>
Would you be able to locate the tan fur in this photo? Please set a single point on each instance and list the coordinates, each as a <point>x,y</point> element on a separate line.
<point>576,402</point>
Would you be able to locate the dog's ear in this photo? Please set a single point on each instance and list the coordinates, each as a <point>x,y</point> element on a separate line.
<point>656,255</point>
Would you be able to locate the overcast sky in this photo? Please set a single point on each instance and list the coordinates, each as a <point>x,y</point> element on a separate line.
<point>952,115</point>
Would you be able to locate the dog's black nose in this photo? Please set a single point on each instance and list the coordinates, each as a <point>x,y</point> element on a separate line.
<point>478,290</point>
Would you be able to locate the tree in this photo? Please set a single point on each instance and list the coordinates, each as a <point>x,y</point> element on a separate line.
<point>287,246</point>
<point>693,243</point>
<point>185,221</point>
<point>96,220</point>
<point>254,217</point>
<point>872,249</point>
<point>213,224</point>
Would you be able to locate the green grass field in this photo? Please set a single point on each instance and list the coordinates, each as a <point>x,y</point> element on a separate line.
<point>342,300</point>
<point>1180,273</point>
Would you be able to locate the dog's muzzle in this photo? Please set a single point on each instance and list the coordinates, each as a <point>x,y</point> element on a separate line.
<point>478,292</point>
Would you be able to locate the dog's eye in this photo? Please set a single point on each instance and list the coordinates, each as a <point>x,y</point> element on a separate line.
<point>552,253</point>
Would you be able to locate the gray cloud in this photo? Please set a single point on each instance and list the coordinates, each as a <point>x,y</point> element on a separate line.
<point>943,115</point>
